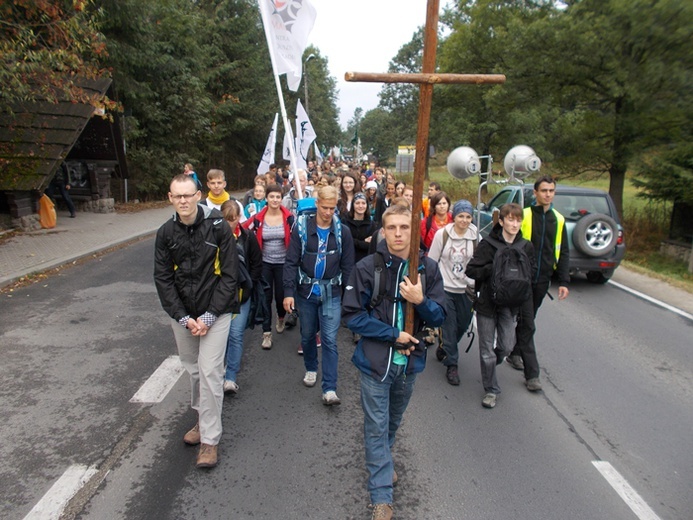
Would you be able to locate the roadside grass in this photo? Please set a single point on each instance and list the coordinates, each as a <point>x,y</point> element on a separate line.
<point>645,223</point>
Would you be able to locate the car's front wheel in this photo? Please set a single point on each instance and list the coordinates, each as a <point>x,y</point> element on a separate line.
<point>595,234</point>
<point>597,277</point>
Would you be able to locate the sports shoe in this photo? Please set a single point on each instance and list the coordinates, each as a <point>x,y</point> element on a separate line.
<point>310,378</point>
<point>280,325</point>
<point>499,356</point>
<point>330,398</point>
<point>267,340</point>
<point>440,354</point>
<point>533,384</point>
<point>515,362</point>
<point>193,436</point>
<point>489,400</point>
<point>356,337</point>
<point>300,349</point>
<point>230,387</point>
<point>207,456</point>
<point>452,375</point>
<point>381,512</point>
<point>395,478</point>
<point>318,341</point>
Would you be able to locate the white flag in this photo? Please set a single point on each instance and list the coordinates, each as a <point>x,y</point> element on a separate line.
<point>288,24</point>
<point>305,135</point>
<point>268,155</point>
<point>318,155</point>
<point>286,152</point>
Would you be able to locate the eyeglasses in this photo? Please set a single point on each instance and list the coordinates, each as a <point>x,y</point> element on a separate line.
<point>184,196</point>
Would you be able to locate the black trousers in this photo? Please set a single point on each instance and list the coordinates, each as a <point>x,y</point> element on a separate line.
<point>524,342</point>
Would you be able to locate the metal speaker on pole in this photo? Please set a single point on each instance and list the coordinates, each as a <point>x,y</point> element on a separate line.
<point>520,161</point>
<point>463,162</point>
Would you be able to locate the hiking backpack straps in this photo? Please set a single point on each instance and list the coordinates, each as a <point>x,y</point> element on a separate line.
<point>380,285</point>
<point>302,224</point>
<point>511,280</point>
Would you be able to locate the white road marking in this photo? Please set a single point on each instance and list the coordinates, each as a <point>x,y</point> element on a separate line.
<point>652,300</point>
<point>51,506</point>
<point>625,491</point>
<point>160,382</point>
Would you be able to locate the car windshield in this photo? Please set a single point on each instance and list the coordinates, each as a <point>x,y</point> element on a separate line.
<point>575,206</point>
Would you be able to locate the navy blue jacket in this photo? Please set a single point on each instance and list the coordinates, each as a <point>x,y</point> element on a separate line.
<point>374,351</point>
<point>334,264</point>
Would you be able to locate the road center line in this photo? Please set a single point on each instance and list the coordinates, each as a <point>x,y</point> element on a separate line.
<point>160,382</point>
<point>652,300</point>
<point>625,491</point>
<point>51,505</point>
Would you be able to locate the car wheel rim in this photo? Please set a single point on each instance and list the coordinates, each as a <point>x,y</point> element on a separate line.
<point>599,236</point>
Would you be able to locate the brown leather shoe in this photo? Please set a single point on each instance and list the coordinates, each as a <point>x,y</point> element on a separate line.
<point>193,436</point>
<point>207,457</point>
<point>381,512</point>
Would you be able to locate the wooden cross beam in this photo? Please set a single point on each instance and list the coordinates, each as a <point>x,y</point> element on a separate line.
<point>426,80</point>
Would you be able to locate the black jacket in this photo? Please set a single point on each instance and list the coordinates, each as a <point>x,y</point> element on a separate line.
<point>480,269</point>
<point>253,257</point>
<point>360,231</point>
<point>544,244</point>
<point>188,278</point>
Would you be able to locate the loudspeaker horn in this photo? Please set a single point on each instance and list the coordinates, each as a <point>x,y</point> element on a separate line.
<point>463,162</point>
<point>520,161</point>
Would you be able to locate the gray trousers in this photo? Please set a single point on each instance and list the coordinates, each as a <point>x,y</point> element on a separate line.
<point>203,360</point>
<point>502,325</point>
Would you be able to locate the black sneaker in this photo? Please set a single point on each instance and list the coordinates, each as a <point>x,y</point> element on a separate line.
<point>499,356</point>
<point>515,362</point>
<point>452,375</point>
<point>440,354</point>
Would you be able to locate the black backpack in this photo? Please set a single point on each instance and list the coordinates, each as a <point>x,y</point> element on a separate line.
<point>511,280</point>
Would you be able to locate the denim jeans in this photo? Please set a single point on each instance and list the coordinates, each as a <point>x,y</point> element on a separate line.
<point>457,319</point>
<point>234,345</point>
<point>503,324</point>
<point>383,405</point>
<point>325,317</point>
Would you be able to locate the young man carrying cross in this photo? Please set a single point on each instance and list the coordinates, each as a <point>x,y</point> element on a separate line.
<point>388,357</point>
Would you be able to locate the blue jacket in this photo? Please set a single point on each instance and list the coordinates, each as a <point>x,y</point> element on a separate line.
<point>334,264</point>
<point>374,351</point>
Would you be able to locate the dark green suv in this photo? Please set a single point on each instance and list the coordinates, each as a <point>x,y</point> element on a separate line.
<point>595,236</point>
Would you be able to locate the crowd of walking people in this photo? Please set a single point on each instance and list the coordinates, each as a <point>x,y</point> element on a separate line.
<point>340,258</point>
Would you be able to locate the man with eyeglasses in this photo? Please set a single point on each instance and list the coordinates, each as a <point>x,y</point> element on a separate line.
<point>195,266</point>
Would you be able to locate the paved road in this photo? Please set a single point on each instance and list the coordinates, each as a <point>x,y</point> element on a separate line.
<point>617,374</point>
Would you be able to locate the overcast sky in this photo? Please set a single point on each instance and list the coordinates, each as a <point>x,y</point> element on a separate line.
<point>363,36</point>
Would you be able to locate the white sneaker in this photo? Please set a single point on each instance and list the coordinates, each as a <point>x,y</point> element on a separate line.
<point>310,378</point>
<point>230,387</point>
<point>330,398</point>
<point>267,340</point>
<point>280,325</point>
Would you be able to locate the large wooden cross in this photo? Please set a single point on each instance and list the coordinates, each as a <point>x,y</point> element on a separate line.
<point>426,80</point>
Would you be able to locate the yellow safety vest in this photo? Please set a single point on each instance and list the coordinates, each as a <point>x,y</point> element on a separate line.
<point>527,230</point>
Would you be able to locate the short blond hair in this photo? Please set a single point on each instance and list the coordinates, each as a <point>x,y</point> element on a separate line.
<point>396,209</point>
<point>327,193</point>
<point>216,174</point>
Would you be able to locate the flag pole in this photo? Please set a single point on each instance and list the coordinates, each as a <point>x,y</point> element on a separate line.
<point>287,128</point>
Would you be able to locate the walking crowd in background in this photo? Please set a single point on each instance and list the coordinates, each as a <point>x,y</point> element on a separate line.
<point>330,248</point>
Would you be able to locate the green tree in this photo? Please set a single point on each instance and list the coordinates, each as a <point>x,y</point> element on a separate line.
<point>619,74</point>
<point>46,48</point>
